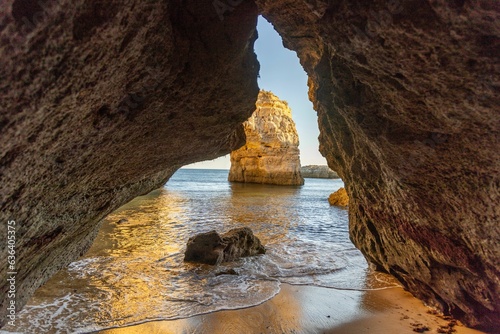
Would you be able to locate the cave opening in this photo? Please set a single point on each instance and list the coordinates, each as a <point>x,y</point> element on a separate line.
<point>405,100</point>
<point>282,74</point>
<point>140,244</point>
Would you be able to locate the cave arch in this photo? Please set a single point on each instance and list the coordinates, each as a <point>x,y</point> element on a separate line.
<point>405,96</point>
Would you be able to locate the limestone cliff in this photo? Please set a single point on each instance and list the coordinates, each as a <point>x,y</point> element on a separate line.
<point>318,172</point>
<point>407,99</point>
<point>103,101</point>
<point>271,152</point>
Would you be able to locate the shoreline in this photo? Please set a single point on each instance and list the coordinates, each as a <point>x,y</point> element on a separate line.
<point>310,309</point>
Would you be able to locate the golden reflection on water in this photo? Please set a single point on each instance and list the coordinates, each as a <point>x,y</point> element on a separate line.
<point>161,214</point>
<point>280,206</point>
<point>296,309</point>
<point>282,314</point>
<point>155,211</point>
<point>135,271</point>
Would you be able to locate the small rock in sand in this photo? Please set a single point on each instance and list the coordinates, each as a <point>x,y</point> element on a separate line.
<point>212,248</point>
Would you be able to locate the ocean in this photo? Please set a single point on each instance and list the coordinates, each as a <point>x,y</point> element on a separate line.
<point>135,273</point>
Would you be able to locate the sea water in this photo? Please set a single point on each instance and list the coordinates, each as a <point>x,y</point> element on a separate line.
<point>135,272</point>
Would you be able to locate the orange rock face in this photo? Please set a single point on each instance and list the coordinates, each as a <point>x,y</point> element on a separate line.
<point>339,198</point>
<point>271,152</point>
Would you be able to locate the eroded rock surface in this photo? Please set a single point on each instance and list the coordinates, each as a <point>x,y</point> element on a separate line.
<point>339,198</point>
<point>212,248</point>
<point>101,102</point>
<point>271,154</point>
<point>407,100</point>
<point>318,172</point>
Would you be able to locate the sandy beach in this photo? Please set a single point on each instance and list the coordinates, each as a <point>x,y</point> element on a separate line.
<point>309,309</point>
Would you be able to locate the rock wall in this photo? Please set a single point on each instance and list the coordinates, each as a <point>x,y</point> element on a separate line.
<point>103,101</point>
<point>271,153</point>
<point>318,172</point>
<point>407,100</point>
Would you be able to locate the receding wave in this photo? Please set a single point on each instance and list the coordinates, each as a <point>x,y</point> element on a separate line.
<point>135,272</point>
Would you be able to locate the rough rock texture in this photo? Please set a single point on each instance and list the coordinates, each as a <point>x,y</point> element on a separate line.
<point>407,95</point>
<point>101,101</point>
<point>318,172</point>
<point>271,153</point>
<point>212,248</point>
<point>339,198</point>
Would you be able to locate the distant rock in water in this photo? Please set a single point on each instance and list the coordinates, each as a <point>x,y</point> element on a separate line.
<point>271,152</point>
<point>339,198</point>
<point>212,248</point>
<point>318,171</point>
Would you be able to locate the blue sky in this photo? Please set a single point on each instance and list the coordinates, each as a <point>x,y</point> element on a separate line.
<point>281,73</point>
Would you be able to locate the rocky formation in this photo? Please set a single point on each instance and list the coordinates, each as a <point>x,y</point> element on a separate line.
<point>339,198</point>
<point>407,99</point>
<point>318,172</point>
<point>212,248</point>
<point>103,101</point>
<point>271,152</point>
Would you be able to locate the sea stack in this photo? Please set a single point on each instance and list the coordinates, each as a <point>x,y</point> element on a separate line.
<point>271,152</point>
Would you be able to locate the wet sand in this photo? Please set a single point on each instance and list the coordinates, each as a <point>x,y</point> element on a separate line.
<point>309,309</point>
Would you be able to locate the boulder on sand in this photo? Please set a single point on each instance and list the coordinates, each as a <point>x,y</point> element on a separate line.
<point>212,248</point>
